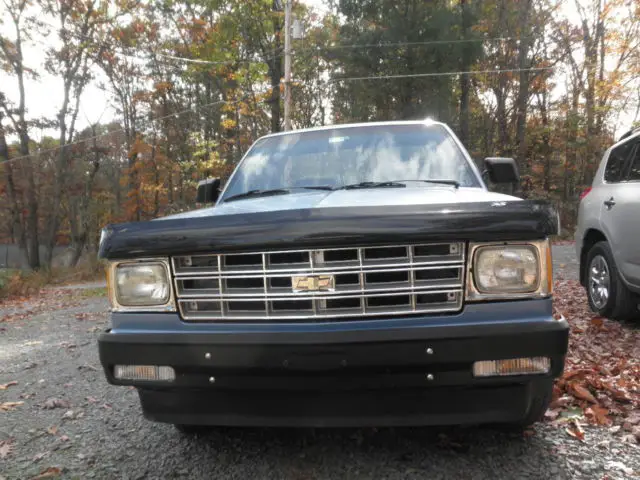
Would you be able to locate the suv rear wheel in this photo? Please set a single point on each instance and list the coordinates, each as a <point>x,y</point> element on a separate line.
<point>608,295</point>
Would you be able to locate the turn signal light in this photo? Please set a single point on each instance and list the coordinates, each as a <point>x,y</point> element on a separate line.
<point>151,373</point>
<point>513,366</point>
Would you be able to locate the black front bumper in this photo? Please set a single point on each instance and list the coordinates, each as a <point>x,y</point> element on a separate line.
<point>412,376</point>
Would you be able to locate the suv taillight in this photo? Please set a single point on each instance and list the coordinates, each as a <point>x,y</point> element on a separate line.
<point>585,193</point>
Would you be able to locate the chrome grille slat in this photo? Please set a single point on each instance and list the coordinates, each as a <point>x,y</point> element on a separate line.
<point>395,285</point>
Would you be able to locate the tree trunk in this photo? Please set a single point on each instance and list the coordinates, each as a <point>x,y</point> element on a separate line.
<point>523,90</point>
<point>275,74</point>
<point>465,82</point>
<point>17,229</point>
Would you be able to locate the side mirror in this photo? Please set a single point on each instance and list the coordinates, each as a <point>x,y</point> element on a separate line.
<point>208,191</point>
<point>502,170</point>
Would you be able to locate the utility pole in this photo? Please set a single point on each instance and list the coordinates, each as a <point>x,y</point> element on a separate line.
<point>287,64</point>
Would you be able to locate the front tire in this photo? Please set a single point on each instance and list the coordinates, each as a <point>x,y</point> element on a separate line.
<point>607,294</point>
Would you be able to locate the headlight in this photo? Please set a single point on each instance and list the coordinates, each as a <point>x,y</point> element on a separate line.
<point>141,284</point>
<point>506,269</point>
<point>503,271</point>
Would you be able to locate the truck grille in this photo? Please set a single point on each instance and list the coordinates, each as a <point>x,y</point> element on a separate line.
<point>326,283</point>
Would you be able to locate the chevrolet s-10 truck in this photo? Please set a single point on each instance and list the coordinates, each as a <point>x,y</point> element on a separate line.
<point>350,275</point>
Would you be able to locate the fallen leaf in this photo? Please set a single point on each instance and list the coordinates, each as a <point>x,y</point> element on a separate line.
<point>582,393</point>
<point>7,385</point>
<point>52,430</point>
<point>6,406</point>
<point>552,414</point>
<point>561,402</point>
<point>52,403</point>
<point>571,413</point>
<point>6,447</point>
<point>574,430</point>
<point>48,473</point>
<point>39,456</point>
<point>598,414</point>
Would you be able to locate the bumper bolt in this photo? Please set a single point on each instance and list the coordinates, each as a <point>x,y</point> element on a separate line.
<point>429,377</point>
<point>207,356</point>
<point>212,379</point>
<point>429,351</point>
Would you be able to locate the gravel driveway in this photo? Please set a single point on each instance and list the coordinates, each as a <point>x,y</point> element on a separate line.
<point>73,424</point>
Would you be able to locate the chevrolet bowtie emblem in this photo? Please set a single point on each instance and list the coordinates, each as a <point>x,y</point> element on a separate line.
<point>313,283</point>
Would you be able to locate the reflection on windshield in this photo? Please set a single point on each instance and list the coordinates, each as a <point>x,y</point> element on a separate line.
<point>337,157</point>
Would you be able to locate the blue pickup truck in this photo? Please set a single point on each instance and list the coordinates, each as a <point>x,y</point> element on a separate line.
<point>350,275</point>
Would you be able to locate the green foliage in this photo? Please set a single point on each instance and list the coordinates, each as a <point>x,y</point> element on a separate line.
<point>410,23</point>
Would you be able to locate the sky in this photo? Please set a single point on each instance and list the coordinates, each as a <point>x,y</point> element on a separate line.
<point>44,94</point>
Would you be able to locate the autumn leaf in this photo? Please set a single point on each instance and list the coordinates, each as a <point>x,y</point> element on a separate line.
<point>39,456</point>
<point>6,406</point>
<point>6,447</point>
<point>52,403</point>
<point>50,472</point>
<point>574,430</point>
<point>598,415</point>
<point>582,393</point>
<point>7,385</point>
<point>52,430</point>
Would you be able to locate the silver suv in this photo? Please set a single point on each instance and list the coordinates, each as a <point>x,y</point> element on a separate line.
<point>608,232</point>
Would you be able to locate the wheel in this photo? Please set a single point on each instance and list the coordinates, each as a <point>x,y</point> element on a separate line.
<point>191,429</point>
<point>608,295</point>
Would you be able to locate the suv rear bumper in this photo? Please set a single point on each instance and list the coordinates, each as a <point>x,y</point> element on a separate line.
<point>415,375</point>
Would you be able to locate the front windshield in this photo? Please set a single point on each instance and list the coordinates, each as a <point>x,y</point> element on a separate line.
<point>345,156</point>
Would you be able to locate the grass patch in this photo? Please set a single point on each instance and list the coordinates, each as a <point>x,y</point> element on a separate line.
<point>22,283</point>
<point>93,292</point>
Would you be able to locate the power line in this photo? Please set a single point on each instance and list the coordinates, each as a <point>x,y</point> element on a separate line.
<point>337,47</point>
<point>175,114</point>
<point>439,74</point>
<point>407,44</point>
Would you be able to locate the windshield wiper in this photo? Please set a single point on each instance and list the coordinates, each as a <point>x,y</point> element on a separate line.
<point>453,183</point>
<point>257,193</point>
<point>274,191</point>
<point>354,186</point>
<point>317,187</point>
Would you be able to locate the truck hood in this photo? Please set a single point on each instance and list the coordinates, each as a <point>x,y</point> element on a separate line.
<point>411,195</point>
<point>320,219</point>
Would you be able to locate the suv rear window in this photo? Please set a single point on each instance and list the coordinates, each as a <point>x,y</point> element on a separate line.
<point>616,162</point>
